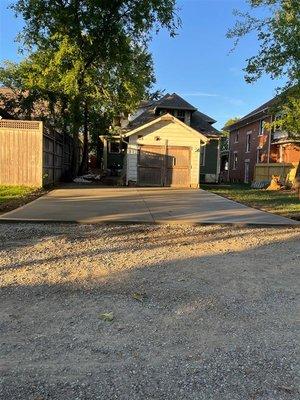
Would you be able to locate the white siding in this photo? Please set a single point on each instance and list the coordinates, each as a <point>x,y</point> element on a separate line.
<point>132,152</point>
<point>165,133</point>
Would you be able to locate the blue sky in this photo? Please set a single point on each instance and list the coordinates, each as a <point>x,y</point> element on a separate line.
<point>197,63</point>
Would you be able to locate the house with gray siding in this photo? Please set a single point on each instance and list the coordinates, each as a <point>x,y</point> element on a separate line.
<point>167,142</point>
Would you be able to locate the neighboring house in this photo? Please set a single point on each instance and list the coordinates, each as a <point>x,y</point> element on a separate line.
<point>224,159</point>
<point>167,142</point>
<point>250,143</point>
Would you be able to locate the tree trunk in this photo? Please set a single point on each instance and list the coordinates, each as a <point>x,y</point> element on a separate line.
<point>76,123</point>
<point>84,166</point>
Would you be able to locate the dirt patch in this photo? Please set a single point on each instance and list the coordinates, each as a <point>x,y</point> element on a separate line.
<point>190,312</point>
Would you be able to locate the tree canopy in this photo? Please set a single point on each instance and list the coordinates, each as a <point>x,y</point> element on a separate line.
<point>87,56</point>
<point>278,33</point>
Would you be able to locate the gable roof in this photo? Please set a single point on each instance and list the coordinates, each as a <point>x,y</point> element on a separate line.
<point>252,115</point>
<point>173,101</point>
<point>199,121</point>
<point>200,124</point>
<point>258,110</point>
<point>170,118</point>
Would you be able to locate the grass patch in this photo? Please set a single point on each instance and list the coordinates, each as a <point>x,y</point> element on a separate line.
<point>14,196</point>
<point>283,202</point>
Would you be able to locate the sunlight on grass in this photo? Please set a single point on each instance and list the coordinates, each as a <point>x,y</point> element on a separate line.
<point>8,193</point>
<point>285,202</point>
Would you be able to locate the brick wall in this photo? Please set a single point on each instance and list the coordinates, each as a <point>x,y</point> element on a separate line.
<point>243,156</point>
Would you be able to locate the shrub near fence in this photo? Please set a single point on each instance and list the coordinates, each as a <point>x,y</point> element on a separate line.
<point>31,156</point>
<point>286,172</point>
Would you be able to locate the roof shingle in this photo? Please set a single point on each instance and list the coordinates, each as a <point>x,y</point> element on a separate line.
<point>199,121</point>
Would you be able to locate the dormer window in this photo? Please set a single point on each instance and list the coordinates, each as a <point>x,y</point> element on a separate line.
<point>163,111</point>
<point>181,115</point>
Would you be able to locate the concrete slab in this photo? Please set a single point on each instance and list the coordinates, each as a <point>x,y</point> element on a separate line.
<point>89,204</point>
<point>200,206</point>
<point>85,204</point>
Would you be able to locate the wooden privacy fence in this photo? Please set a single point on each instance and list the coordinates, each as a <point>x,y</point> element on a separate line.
<point>286,172</point>
<point>57,156</point>
<point>31,157</point>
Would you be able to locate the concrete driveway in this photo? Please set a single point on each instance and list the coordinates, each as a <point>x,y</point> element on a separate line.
<point>90,204</point>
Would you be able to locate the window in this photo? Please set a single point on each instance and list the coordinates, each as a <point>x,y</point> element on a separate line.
<point>235,160</point>
<point>202,155</point>
<point>258,155</point>
<point>248,142</point>
<point>236,137</point>
<point>181,115</point>
<point>114,147</point>
<point>261,127</point>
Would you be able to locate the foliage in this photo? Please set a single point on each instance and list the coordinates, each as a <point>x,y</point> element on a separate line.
<point>287,107</point>
<point>8,193</point>
<point>87,58</point>
<point>225,134</point>
<point>278,33</point>
<point>231,121</point>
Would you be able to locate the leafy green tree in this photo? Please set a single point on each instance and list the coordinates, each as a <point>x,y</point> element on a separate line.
<point>225,133</point>
<point>278,33</point>
<point>92,53</point>
<point>287,110</point>
<point>231,121</point>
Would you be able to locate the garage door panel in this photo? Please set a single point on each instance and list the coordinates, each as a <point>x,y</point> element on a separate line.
<point>178,177</point>
<point>150,176</point>
<point>178,166</point>
<point>164,166</point>
<point>151,159</point>
<point>178,157</point>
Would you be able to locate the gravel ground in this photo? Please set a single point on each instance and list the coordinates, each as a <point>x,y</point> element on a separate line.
<point>217,320</point>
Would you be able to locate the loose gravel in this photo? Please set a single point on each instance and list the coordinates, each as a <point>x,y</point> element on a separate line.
<point>194,312</point>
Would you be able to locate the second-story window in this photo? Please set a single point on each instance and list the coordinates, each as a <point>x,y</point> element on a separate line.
<point>181,115</point>
<point>236,137</point>
<point>248,142</point>
<point>261,127</point>
<point>235,160</point>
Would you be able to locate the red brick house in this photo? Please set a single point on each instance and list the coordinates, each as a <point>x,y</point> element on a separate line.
<point>251,143</point>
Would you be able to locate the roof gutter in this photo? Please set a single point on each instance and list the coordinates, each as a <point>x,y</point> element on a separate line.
<point>232,127</point>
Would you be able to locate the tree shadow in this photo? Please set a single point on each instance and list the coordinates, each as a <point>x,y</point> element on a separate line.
<point>122,238</point>
<point>214,325</point>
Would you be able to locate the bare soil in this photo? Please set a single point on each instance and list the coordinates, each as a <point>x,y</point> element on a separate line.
<point>197,312</point>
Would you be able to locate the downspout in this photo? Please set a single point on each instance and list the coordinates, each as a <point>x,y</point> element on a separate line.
<point>125,158</point>
<point>218,162</point>
<point>200,161</point>
<point>269,144</point>
<point>229,152</point>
